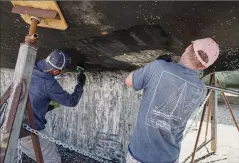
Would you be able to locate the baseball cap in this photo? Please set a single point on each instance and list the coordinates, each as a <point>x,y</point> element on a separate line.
<point>57,60</point>
<point>208,46</point>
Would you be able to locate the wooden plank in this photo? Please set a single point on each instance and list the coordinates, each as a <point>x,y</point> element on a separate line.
<point>35,139</point>
<point>34,12</point>
<point>10,120</point>
<point>13,109</point>
<point>198,134</point>
<point>45,5</point>
<point>5,95</point>
<point>214,107</point>
<point>23,73</point>
<point>209,106</point>
<point>201,122</point>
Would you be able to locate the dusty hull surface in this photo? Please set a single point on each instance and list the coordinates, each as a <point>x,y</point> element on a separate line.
<point>110,34</point>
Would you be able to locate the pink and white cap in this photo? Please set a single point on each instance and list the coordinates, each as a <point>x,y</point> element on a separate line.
<point>210,47</point>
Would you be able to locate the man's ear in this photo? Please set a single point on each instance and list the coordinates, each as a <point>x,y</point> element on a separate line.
<point>202,68</point>
<point>188,48</point>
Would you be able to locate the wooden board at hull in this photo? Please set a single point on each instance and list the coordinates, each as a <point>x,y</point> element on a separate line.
<point>45,5</point>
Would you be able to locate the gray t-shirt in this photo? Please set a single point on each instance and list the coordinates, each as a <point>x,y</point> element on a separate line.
<point>171,93</point>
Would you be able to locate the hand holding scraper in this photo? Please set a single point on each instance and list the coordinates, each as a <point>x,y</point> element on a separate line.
<point>81,78</point>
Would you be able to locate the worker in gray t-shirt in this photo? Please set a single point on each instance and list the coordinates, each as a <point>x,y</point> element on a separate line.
<point>171,93</point>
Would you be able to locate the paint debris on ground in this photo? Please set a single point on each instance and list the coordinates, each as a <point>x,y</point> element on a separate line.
<point>67,156</point>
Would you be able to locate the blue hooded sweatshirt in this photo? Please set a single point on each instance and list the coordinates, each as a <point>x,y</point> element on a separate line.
<point>44,89</point>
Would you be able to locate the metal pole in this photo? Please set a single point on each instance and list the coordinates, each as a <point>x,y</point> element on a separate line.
<point>214,107</point>
<point>32,36</point>
<point>222,90</point>
<point>228,105</point>
<point>33,26</point>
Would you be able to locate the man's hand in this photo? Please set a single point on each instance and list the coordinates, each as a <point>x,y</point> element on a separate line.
<point>81,79</point>
<point>129,80</point>
<point>165,57</point>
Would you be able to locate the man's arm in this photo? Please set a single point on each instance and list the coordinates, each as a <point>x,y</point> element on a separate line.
<point>57,94</point>
<point>139,78</point>
<point>128,80</point>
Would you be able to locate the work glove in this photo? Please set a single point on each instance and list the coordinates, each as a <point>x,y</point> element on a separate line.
<point>165,57</point>
<point>81,79</point>
<point>52,105</point>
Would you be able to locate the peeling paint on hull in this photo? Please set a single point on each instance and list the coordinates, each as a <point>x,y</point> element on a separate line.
<point>100,32</point>
<point>104,120</point>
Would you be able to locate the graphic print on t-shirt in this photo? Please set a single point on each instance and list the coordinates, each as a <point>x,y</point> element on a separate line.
<point>173,102</point>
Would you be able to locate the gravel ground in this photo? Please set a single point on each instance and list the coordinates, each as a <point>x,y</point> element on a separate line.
<point>224,116</point>
<point>68,156</point>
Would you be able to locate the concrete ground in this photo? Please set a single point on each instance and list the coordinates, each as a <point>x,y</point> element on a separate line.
<point>227,140</point>
<point>227,146</point>
<point>227,143</point>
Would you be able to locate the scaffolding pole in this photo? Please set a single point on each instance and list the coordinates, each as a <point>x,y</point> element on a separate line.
<point>23,71</point>
<point>214,107</point>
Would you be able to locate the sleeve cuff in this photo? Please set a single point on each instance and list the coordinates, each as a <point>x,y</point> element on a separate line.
<point>133,82</point>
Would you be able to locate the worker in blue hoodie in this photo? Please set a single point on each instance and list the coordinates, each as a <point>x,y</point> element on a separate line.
<point>44,89</point>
